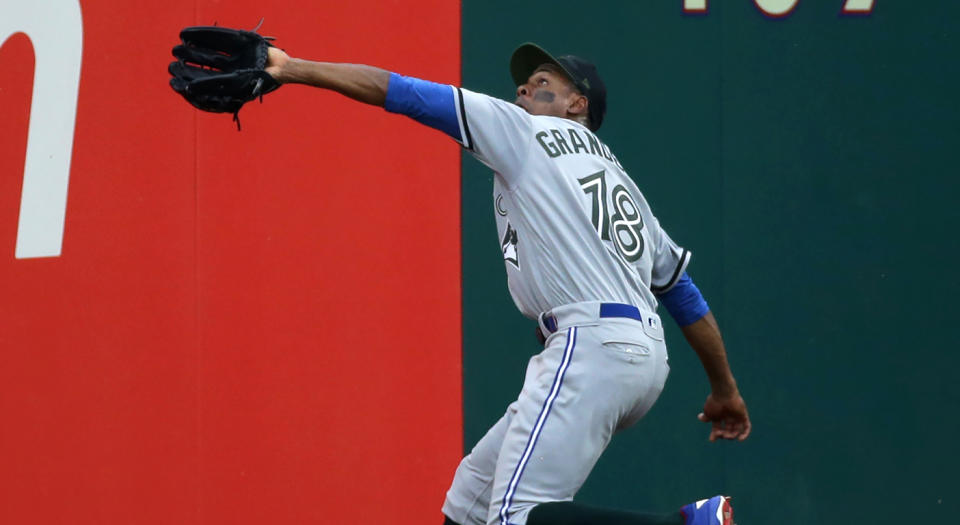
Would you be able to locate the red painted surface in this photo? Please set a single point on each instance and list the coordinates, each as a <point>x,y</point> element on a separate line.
<point>243,327</point>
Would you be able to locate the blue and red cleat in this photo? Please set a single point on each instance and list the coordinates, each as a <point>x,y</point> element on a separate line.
<point>714,511</point>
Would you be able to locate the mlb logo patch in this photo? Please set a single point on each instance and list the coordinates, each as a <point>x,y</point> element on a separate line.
<point>652,322</point>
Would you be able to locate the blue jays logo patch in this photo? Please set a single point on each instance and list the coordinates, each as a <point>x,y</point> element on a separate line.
<point>509,246</point>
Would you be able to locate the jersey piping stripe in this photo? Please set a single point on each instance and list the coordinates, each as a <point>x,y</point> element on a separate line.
<point>541,419</point>
<point>462,120</point>
<point>684,259</point>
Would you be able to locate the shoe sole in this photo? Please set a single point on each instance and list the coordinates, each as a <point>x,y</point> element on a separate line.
<point>726,511</point>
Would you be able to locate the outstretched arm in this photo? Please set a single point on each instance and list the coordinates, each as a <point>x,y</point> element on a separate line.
<point>497,132</point>
<point>363,83</point>
<point>428,103</point>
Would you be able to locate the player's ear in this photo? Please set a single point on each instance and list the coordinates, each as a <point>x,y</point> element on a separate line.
<point>578,105</point>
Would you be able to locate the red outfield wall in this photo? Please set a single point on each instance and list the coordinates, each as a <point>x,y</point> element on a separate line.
<point>242,327</point>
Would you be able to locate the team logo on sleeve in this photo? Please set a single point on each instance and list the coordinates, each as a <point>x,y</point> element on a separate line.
<point>509,246</point>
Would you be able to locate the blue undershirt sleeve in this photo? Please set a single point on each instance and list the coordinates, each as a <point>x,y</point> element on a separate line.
<point>426,102</point>
<point>684,302</point>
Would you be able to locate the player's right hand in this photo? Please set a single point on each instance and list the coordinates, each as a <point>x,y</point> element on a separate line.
<point>276,59</point>
<point>728,415</point>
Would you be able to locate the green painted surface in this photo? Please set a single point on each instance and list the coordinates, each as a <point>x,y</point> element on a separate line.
<point>809,164</point>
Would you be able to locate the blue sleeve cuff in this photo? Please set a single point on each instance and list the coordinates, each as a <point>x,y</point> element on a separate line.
<point>684,302</point>
<point>426,102</point>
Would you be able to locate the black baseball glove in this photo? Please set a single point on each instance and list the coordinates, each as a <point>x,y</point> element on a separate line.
<point>220,69</point>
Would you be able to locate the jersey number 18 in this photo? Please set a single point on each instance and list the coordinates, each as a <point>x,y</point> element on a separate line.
<point>625,222</point>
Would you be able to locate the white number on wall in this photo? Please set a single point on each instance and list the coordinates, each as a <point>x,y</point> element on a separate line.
<point>858,6</point>
<point>781,8</point>
<point>776,8</point>
<point>695,6</point>
<point>55,28</point>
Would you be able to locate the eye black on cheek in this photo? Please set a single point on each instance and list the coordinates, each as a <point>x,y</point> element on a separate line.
<point>543,95</point>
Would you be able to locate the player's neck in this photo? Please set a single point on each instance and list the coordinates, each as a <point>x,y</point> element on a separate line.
<point>579,119</point>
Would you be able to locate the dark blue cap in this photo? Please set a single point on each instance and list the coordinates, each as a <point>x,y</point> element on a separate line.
<point>528,57</point>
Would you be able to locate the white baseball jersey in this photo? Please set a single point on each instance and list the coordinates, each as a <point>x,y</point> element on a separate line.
<point>573,226</point>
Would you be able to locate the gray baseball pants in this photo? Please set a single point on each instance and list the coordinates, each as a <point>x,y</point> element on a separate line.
<point>595,376</point>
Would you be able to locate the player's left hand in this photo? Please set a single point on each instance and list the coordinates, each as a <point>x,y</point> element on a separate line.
<point>219,69</point>
<point>728,415</point>
<point>276,60</point>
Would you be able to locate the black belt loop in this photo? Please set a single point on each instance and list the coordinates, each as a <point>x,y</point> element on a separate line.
<point>550,322</point>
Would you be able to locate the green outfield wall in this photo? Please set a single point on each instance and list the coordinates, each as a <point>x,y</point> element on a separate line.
<point>809,162</point>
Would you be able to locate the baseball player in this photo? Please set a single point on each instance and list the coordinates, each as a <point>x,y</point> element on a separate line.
<point>587,260</point>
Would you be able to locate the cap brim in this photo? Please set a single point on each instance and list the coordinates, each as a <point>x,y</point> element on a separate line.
<point>527,58</point>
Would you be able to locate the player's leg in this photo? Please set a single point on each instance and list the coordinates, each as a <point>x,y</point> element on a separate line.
<point>578,392</point>
<point>468,499</point>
